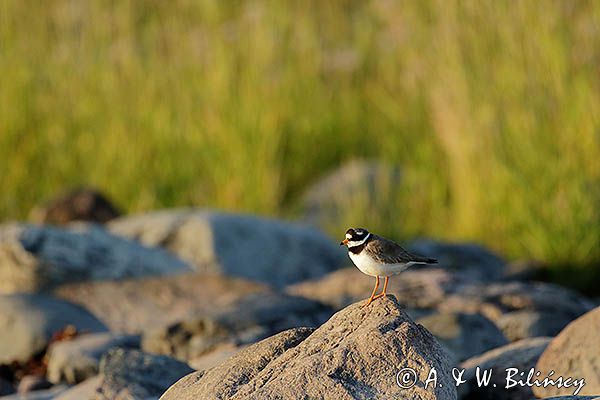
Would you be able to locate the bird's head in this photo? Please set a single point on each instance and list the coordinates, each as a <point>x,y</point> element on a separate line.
<point>355,237</point>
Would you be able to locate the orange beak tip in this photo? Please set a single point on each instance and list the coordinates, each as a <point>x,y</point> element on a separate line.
<point>344,242</point>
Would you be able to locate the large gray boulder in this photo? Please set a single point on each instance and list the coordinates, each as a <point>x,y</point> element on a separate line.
<point>246,321</point>
<point>464,335</point>
<point>46,394</point>
<point>521,355</point>
<point>496,299</point>
<point>86,390</point>
<point>29,321</point>
<point>141,304</point>
<point>357,354</point>
<point>260,249</point>
<point>231,375</point>
<point>34,258</point>
<point>132,374</point>
<point>6,388</point>
<point>470,259</point>
<point>575,353</point>
<point>128,375</point>
<point>75,360</point>
<point>522,324</point>
<point>352,188</point>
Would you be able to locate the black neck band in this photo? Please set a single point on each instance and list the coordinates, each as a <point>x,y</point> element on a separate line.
<point>360,247</point>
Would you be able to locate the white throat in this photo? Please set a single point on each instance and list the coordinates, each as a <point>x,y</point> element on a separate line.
<point>360,243</point>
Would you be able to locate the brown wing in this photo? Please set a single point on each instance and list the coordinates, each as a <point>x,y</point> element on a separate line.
<point>387,252</point>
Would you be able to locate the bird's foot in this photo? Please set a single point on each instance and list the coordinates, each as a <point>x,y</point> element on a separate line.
<point>366,303</point>
<point>379,295</point>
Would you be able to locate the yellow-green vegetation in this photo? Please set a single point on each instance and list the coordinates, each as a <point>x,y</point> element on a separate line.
<point>492,109</point>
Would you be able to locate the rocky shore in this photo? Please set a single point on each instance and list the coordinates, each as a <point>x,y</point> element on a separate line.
<point>196,304</point>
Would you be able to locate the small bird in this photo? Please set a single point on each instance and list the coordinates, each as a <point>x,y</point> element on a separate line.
<point>377,256</point>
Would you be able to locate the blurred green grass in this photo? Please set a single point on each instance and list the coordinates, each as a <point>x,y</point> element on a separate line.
<point>491,107</point>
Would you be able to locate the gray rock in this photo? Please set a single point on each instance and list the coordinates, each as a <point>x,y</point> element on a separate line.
<point>86,390</point>
<point>247,321</point>
<point>6,388</point>
<point>81,204</point>
<point>136,305</point>
<point>260,249</point>
<point>75,360</point>
<point>28,322</point>
<point>521,355</point>
<point>357,354</point>
<point>238,370</point>
<point>518,325</point>
<point>35,258</point>
<point>574,353</point>
<point>132,374</point>
<point>47,394</point>
<point>30,383</point>
<point>472,260</point>
<point>356,185</point>
<point>494,300</point>
<point>423,288</point>
<point>464,335</point>
<point>128,374</point>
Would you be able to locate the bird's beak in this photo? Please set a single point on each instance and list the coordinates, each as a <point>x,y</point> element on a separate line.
<point>344,242</point>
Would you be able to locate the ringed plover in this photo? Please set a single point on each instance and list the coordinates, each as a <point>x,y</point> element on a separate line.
<point>377,256</point>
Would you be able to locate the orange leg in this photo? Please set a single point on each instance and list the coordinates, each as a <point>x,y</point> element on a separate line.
<point>374,290</point>
<point>382,294</point>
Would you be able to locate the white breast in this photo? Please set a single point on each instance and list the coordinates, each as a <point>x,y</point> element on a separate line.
<point>369,266</point>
